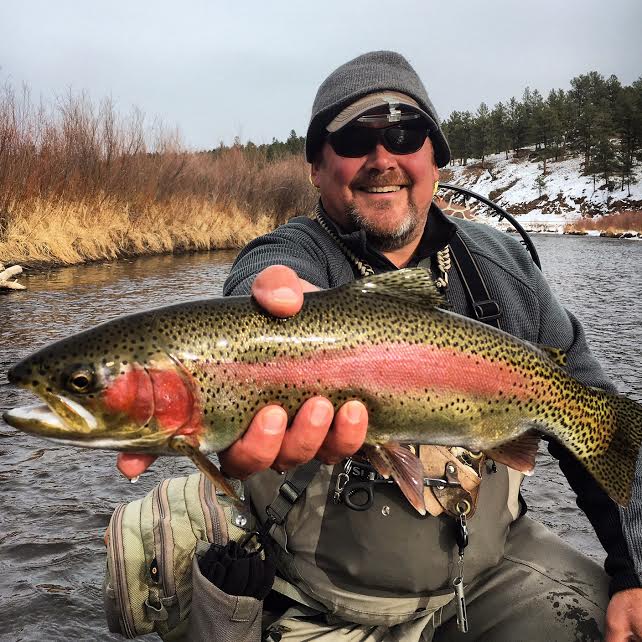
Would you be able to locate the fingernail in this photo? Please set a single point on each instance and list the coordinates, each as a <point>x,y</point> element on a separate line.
<point>272,421</point>
<point>354,411</point>
<point>284,295</point>
<point>321,414</point>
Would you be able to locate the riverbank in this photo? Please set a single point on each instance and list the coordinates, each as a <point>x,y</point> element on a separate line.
<point>558,199</point>
<point>43,233</point>
<point>82,183</point>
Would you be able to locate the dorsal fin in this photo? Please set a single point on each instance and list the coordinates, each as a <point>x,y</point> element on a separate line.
<point>556,355</point>
<point>408,284</point>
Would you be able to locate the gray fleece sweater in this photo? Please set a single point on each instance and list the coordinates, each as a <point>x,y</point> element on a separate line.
<point>529,311</point>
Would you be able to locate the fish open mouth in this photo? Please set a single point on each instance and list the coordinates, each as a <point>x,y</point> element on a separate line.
<point>65,420</point>
<point>38,418</point>
<point>61,417</point>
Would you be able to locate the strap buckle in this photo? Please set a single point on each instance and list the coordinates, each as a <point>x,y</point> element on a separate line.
<point>289,491</point>
<point>273,517</point>
<point>487,310</point>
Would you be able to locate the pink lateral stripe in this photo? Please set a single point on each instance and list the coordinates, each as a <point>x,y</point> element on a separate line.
<point>395,367</point>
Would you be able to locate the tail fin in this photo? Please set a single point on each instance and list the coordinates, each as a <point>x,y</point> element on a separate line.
<point>614,469</point>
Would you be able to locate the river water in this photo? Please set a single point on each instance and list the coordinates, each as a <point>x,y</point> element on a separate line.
<point>55,501</point>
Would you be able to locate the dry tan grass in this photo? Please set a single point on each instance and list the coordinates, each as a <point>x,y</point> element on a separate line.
<point>612,225</point>
<point>81,183</point>
<point>41,231</point>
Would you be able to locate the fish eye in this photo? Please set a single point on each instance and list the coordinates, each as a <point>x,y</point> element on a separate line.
<point>80,380</point>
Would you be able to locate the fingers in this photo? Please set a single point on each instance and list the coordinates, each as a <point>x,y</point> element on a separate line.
<point>306,434</point>
<point>259,445</point>
<point>280,291</point>
<point>624,616</point>
<point>315,432</point>
<point>133,464</point>
<point>347,434</point>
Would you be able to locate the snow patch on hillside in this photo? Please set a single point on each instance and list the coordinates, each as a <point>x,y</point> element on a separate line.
<point>566,193</point>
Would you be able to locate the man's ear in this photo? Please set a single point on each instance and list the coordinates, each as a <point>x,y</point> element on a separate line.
<point>314,170</point>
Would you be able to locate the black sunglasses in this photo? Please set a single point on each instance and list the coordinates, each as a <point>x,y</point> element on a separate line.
<point>354,142</point>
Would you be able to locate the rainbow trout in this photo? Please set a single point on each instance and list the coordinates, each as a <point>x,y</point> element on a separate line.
<point>187,379</point>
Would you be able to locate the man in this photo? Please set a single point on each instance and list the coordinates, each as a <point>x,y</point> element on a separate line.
<point>375,145</point>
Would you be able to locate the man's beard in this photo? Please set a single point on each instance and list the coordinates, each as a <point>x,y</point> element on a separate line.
<point>387,240</point>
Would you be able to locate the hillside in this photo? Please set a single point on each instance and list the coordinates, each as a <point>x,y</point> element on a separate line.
<point>566,194</point>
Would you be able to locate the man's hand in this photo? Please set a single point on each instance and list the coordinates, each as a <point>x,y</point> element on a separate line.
<point>315,432</point>
<point>624,616</point>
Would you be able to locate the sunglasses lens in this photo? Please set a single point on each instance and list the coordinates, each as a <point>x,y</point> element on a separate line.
<point>354,142</point>
<point>403,140</point>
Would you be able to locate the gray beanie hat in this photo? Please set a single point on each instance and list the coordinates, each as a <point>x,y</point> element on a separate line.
<point>368,73</point>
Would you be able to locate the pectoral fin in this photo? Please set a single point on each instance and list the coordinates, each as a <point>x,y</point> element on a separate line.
<point>182,445</point>
<point>519,453</point>
<point>391,459</point>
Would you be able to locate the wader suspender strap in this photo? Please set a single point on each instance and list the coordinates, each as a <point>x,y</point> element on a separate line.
<point>486,310</point>
<point>277,511</point>
<point>289,492</point>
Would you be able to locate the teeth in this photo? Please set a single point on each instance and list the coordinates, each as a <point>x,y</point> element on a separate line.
<point>381,190</point>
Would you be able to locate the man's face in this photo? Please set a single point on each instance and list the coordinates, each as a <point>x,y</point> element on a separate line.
<point>352,192</point>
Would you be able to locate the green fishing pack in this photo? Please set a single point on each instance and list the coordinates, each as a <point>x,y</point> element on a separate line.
<point>151,543</point>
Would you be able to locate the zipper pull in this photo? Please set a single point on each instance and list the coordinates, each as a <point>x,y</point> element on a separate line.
<point>461,537</point>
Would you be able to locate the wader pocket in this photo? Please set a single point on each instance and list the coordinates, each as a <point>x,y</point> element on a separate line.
<point>150,546</point>
<point>218,616</point>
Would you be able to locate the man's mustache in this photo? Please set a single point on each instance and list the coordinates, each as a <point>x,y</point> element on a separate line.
<point>381,180</point>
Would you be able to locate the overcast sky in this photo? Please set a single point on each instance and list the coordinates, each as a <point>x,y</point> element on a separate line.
<point>250,68</point>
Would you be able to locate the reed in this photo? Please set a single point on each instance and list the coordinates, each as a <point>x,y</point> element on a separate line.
<point>609,225</point>
<point>80,182</point>
<point>42,231</point>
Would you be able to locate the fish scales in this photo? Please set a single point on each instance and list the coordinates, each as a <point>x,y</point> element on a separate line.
<point>373,361</point>
<point>201,370</point>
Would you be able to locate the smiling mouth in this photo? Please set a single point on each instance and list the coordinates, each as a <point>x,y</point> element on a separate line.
<point>382,190</point>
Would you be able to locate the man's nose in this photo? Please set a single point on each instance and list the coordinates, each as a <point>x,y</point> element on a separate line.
<point>381,159</point>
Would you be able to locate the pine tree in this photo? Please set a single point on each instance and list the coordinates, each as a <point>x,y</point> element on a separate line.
<point>499,129</point>
<point>628,124</point>
<point>481,133</point>
<point>517,124</point>
<point>561,121</point>
<point>295,144</point>
<point>540,181</point>
<point>602,155</point>
<point>458,131</point>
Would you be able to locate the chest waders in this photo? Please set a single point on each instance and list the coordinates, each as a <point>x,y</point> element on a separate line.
<point>453,474</point>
